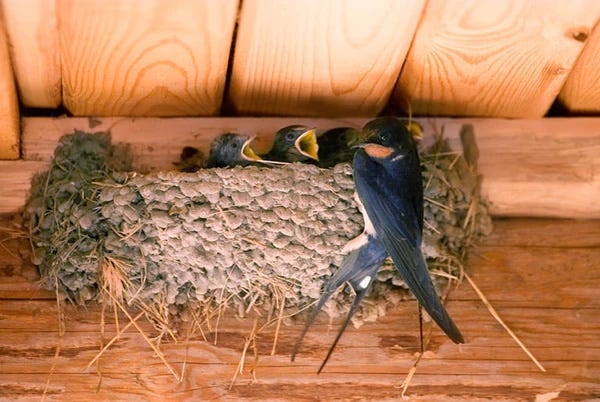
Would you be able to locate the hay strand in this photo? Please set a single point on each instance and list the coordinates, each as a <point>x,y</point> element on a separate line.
<point>496,316</point>
<point>185,248</point>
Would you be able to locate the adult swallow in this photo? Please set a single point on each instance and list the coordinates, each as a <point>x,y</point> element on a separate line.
<point>336,146</point>
<point>232,149</point>
<point>294,144</point>
<point>387,178</point>
<point>358,269</point>
<point>389,194</point>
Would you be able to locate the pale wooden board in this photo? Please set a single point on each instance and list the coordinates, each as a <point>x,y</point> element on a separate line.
<point>15,179</point>
<point>157,59</point>
<point>581,92</point>
<point>539,167</point>
<point>369,363</point>
<point>320,58</point>
<point>32,31</point>
<point>156,143</point>
<point>493,58</point>
<point>9,107</point>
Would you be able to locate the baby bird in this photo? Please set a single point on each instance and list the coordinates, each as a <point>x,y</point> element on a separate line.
<point>232,149</point>
<point>335,146</point>
<point>294,143</point>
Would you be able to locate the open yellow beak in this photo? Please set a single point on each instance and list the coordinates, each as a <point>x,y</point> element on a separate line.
<point>248,153</point>
<point>307,144</point>
<point>415,129</point>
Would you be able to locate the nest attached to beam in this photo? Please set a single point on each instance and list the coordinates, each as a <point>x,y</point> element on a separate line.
<point>184,246</point>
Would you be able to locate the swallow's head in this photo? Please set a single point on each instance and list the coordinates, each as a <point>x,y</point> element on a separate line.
<point>296,143</point>
<point>387,137</point>
<point>232,149</point>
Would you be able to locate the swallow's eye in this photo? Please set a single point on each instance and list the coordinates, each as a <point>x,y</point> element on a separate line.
<point>383,137</point>
<point>234,145</point>
<point>289,136</point>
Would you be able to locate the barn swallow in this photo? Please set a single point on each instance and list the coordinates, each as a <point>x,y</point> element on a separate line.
<point>387,178</point>
<point>389,194</point>
<point>294,144</point>
<point>358,268</point>
<point>190,160</point>
<point>232,149</point>
<point>335,146</point>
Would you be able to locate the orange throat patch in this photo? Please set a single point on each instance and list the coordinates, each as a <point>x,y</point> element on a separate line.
<point>378,151</point>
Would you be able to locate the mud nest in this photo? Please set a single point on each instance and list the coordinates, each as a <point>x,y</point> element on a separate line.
<point>185,246</point>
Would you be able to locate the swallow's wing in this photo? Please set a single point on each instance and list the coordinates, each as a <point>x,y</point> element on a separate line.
<point>395,218</point>
<point>360,294</point>
<point>356,266</point>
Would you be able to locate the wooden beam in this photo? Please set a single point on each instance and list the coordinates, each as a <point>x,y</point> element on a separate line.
<point>320,58</point>
<point>555,315</point>
<point>490,58</point>
<point>581,92</point>
<point>9,105</point>
<point>33,34</point>
<point>160,59</point>
<point>540,167</point>
<point>156,143</point>
<point>15,181</point>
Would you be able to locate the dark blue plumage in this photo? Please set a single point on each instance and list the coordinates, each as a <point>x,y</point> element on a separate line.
<point>358,268</point>
<point>389,191</point>
<point>387,176</point>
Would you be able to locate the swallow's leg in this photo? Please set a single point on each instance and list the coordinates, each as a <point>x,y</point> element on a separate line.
<point>421,326</point>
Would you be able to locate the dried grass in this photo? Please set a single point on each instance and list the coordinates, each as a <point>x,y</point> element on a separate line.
<point>121,282</point>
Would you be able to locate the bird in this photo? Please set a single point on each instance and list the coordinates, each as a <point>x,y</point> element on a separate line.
<point>295,143</point>
<point>191,160</point>
<point>389,194</point>
<point>335,146</point>
<point>358,268</point>
<point>388,181</point>
<point>232,149</point>
<point>414,128</point>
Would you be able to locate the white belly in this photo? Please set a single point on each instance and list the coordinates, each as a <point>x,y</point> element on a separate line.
<point>362,238</point>
<point>369,229</point>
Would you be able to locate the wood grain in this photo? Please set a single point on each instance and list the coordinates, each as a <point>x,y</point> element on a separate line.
<point>581,92</point>
<point>33,34</point>
<point>523,232</point>
<point>15,179</point>
<point>9,106</point>
<point>320,58</point>
<point>539,167</point>
<point>159,59</point>
<point>489,58</point>
<point>526,283</point>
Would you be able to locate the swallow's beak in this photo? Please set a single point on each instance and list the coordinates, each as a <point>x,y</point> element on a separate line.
<point>416,130</point>
<point>307,144</point>
<point>248,153</point>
